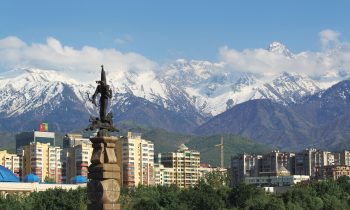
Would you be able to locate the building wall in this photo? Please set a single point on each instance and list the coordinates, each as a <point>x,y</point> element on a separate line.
<point>162,175</point>
<point>273,161</point>
<point>269,181</point>
<point>303,163</point>
<point>78,160</point>
<point>10,161</point>
<point>158,174</point>
<point>245,165</point>
<point>42,160</point>
<point>345,158</point>
<point>25,138</point>
<point>76,156</point>
<point>335,171</point>
<point>308,161</point>
<point>73,139</point>
<point>137,160</point>
<point>184,164</point>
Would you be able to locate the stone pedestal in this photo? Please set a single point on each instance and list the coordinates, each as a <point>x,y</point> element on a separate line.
<point>104,175</point>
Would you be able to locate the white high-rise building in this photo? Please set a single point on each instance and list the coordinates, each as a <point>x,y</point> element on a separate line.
<point>182,166</point>
<point>43,160</point>
<point>137,160</point>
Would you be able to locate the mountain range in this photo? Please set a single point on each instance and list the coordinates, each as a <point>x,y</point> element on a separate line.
<point>285,110</point>
<point>320,120</point>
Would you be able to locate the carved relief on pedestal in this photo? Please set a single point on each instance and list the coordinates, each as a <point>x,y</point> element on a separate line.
<point>111,191</point>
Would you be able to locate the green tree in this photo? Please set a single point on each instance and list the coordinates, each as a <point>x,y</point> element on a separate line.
<point>146,204</point>
<point>304,196</point>
<point>239,195</point>
<point>12,201</point>
<point>216,179</point>
<point>202,196</point>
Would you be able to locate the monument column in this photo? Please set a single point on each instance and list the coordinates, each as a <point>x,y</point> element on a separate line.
<point>104,173</point>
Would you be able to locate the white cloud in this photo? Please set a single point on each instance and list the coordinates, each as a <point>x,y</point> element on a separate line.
<point>53,55</point>
<point>334,57</point>
<point>329,38</point>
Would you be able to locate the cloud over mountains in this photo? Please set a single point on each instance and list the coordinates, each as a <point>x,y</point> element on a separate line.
<point>331,60</point>
<point>15,53</point>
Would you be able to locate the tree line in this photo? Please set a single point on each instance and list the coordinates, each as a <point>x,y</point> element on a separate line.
<point>318,195</point>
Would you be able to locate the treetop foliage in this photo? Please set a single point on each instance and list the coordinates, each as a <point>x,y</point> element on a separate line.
<point>321,195</point>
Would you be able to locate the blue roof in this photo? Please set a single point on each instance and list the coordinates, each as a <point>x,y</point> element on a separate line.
<point>79,179</point>
<point>7,176</point>
<point>31,178</point>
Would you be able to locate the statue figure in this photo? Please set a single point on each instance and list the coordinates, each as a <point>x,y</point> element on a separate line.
<point>104,123</point>
<point>106,93</point>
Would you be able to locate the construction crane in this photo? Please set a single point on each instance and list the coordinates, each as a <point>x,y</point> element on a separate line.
<point>221,151</point>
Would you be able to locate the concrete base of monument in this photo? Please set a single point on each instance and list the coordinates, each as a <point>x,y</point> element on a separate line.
<point>104,174</point>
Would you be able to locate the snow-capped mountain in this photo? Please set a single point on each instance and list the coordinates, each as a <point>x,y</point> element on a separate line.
<point>320,120</point>
<point>279,48</point>
<point>287,88</point>
<point>38,94</point>
<point>31,88</point>
<point>187,92</point>
<point>213,90</point>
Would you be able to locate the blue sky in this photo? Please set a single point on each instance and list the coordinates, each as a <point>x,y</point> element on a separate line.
<point>166,30</point>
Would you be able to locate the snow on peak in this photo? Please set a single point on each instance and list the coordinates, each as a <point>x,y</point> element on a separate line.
<point>181,61</point>
<point>28,75</point>
<point>188,73</point>
<point>287,88</point>
<point>279,48</point>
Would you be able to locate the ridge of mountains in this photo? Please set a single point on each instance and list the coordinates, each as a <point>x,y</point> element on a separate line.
<point>35,95</point>
<point>286,110</point>
<point>321,120</point>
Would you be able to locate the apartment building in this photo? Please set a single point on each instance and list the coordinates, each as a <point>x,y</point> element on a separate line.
<point>345,158</point>
<point>78,159</point>
<point>309,161</point>
<point>43,160</point>
<point>244,165</point>
<point>76,156</point>
<point>136,159</point>
<point>163,176</point>
<point>272,162</point>
<point>184,164</point>
<point>10,161</point>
